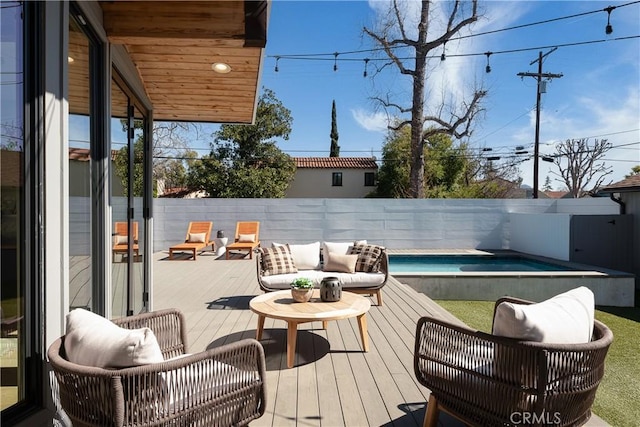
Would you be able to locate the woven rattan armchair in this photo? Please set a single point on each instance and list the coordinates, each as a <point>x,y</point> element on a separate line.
<point>219,387</point>
<point>483,379</point>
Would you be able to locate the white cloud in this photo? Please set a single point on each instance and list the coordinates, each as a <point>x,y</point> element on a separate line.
<point>373,122</point>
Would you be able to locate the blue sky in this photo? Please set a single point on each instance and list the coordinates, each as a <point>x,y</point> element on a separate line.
<point>597,97</point>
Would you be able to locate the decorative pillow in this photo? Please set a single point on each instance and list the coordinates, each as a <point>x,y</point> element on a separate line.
<point>93,340</point>
<point>246,238</point>
<point>122,240</point>
<point>197,237</point>
<point>305,257</point>
<point>369,257</point>
<point>340,263</point>
<point>566,318</point>
<point>277,260</point>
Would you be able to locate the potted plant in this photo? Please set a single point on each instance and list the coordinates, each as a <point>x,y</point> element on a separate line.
<point>301,289</point>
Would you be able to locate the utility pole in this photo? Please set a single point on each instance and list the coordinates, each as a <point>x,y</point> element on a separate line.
<point>540,89</point>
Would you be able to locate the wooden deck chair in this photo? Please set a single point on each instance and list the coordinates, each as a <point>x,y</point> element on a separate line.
<point>121,239</point>
<point>197,239</point>
<point>247,237</point>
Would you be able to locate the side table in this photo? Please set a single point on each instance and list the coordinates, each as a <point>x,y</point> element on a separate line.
<point>221,243</point>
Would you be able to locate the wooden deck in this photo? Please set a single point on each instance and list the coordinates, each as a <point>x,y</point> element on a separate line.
<point>333,382</point>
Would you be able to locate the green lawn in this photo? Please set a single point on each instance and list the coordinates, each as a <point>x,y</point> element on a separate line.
<point>619,393</point>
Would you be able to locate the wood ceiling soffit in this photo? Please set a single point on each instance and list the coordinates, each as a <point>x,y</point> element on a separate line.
<point>203,20</point>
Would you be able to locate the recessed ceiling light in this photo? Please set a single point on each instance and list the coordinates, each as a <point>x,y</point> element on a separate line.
<point>221,67</point>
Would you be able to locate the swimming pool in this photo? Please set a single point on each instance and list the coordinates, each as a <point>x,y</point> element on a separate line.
<point>469,263</point>
<point>487,276</point>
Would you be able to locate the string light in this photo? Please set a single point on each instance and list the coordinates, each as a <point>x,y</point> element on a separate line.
<point>277,59</point>
<point>608,29</point>
<point>366,62</point>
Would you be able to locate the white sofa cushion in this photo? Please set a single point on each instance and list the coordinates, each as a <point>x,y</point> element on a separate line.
<point>348,280</point>
<point>341,248</point>
<point>305,256</point>
<point>209,378</point>
<point>93,340</point>
<point>566,318</point>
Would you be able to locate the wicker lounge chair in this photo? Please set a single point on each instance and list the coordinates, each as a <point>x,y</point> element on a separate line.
<point>197,239</point>
<point>483,379</point>
<point>121,241</point>
<point>219,387</point>
<point>247,237</point>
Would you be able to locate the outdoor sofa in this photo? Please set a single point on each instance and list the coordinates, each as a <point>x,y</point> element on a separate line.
<point>361,268</point>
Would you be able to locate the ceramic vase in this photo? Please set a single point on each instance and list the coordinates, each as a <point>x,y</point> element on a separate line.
<point>330,289</point>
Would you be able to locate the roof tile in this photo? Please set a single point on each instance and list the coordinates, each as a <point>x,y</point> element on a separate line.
<point>336,162</point>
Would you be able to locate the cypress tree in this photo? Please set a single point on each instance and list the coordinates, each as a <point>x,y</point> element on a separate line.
<point>335,148</point>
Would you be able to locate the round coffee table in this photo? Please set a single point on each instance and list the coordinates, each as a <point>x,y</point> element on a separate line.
<point>280,305</point>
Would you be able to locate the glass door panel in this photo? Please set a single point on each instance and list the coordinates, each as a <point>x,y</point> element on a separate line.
<point>139,261</point>
<point>119,201</point>
<point>12,304</point>
<point>80,164</point>
<point>128,139</point>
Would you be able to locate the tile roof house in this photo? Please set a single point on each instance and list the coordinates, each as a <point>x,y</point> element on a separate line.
<point>333,177</point>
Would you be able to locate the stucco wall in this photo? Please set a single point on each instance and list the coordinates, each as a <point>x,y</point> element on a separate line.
<point>394,223</point>
<point>317,183</point>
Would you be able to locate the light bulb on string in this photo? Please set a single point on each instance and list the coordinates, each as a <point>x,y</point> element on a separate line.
<point>488,67</point>
<point>277,59</point>
<point>608,29</point>
<point>366,62</point>
<point>444,47</point>
<point>335,61</point>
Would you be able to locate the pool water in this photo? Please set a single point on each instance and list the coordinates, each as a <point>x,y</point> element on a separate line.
<point>467,263</point>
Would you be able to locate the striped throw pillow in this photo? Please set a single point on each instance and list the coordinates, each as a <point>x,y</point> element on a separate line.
<point>277,260</point>
<point>369,257</point>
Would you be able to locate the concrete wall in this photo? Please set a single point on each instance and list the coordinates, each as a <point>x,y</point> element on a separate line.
<point>317,183</point>
<point>394,223</point>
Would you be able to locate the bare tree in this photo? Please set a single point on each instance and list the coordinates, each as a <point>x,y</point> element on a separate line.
<point>458,122</point>
<point>579,164</point>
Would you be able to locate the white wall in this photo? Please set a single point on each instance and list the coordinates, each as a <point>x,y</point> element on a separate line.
<point>394,223</point>
<point>546,234</point>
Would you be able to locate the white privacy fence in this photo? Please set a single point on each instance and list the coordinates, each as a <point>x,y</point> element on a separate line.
<point>394,223</point>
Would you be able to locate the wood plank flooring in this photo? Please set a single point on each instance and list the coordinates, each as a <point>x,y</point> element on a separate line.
<point>333,382</point>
